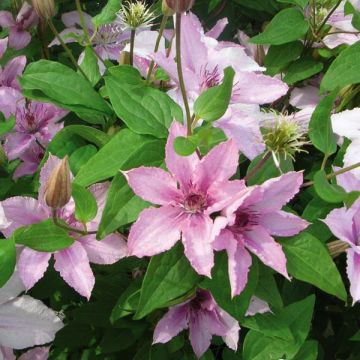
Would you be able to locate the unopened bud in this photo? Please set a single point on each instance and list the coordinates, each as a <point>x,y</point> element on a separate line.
<point>180,6</point>
<point>337,247</point>
<point>45,9</point>
<point>58,186</point>
<point>124,58</point>
<point>166,10</point>
<point>260,55</point>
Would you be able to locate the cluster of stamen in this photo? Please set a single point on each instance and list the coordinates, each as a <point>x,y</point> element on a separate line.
<point>210,78</point>
<point>195,202</point>
<point>107,35</point>
<point>244,219</point>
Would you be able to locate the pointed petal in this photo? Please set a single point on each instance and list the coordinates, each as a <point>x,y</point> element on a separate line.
<point>348,181</point>
<point>11,289</point>
<point>182,167</point>
<point>231,337</point>
<point>353,273</point>
<point>305,97</point>
<point>6,353</point>
<point>260,243</point>
<point>72,18</point>
<point>17,143</point>
<point>25,322</point>
<point>281,223</point>
<point>3,46</point>
<point>73,266</point>
<point>11,70</point>
<point>32,266</point>
<point>9,98</point>
<point>172,323</point>
<point>218,28</point>
<point>153,184</point>
<point>156,230</point>
<point>352,156</point>
<point>346,123</point>
<point>279,191</point>
<point>257,306</point>
<point>199,333</point>
<point>39,353</point>
<point>107,251</point>
<point>6,19</point>
<point>19,39</point>
<point>217,166</point>
<point>197,232</point>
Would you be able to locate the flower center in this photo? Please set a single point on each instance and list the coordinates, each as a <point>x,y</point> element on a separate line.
<point>107,35</point>
<point>195,202</point>
<point>245,218</point>
<point>210,78</point>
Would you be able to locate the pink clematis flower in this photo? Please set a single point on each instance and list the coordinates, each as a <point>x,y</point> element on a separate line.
<point>72,263</point>
<point>192,191</point>
<point>249,223</point>
<point>108,40</point>
<point>204,318</point>
<point>12,69</point>
<point>24,321</point>
<point>38,353</point>
<point>345,225</point>
<point>19,36</point>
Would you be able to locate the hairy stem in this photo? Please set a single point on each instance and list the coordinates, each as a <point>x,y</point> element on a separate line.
<point>132,45</point>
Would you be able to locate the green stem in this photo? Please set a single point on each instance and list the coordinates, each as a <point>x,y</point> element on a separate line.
<point>132,45</point>
<point>323,164</point>
<point>157,45</point>
<point>67,50</point>
<point>328,16</point>
<point>180,73</point>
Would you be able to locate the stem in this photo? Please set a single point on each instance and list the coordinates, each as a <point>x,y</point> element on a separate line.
<point>157,45</point>
<point>328,16</point>
<point>67,50</point>
<point>323,164</point>
<point>258,166</point>
<point>132,45</point>
<point>334,174</point>
<point>41,32</point>
<point>180,73</point>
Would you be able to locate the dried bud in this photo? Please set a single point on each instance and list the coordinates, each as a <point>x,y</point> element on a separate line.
<point>166,10</point>
<point>45,9</point>
<point>124,58</point>
<point>337,247</point>
<point>58,186</point>
<point>180,6</point>
<point>260,55</point>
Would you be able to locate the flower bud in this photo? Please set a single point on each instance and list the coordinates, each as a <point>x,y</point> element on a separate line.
<point>166,10</point>
<point>180,6</point>
<point>337,247</point>
<point>124,58</point>
<point>45,9</point>
<point>58,186</point>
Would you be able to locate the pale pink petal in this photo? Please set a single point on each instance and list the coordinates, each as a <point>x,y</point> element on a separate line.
<point>196,237</point>
<point>32,266</point>
<point>218,28</point>
<point>107,251</point>
<point>257,306</point>
<point>18,39</point>
<point>307,96</point>
<point>72,18</point>
<point>21,211</point>
<point>11,70</point>
<point>348,181</point>
<point>68,35</point>
<point>3,46</point>
<point>17,143</point>
<point>231,337</point>
<point>279,191</point>
<point>156,230</point>
<point>334,40</point>
<point>353,273</point>
<point>9,98</point>
<point>352,156</point>
<point>182,167</point>
<point>6,19</point>
<point>100,192</point>
<point>260,243</point>
<point>346,123</point>
<point>340,223</point>
<point>199,333</point>
<point>39,353</point>
<point>73,266</point>
<point>281,223</point>
<point>25,322</point>
<point>154,185</point>
<point>27,18</point>
<point>13,288</point>
<point>25,168</point>
<point>6,353</point>
<point>263,90</point>
<point>218,165</point>
<point>172,323</point>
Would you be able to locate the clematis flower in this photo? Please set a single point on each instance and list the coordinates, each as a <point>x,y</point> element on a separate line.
<point>24,321</point>
<point>38,353</point>
<point>19,36</point>
<point>12,69</point>
<point>345,225</point>
<point>204,318</point>
<point>192,191</point>
<point>204,59</point>
<point>347,124</point>
<point>73,263</point>
<point>108,40</point>
<point>250,222</point>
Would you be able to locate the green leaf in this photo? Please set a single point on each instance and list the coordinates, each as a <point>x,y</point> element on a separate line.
<point>126,74</point>
<point>344,70</point>
<point>219,285</point>
<point>7,259</point>
<point>301,3</point>
<point>320,129</point>
<point>287,26</point>
<point>90,66</point>
<point>169,276</point>
<point>85,204</point>
<point>54,82</point>
<point>124,151</point>
<point>80,157</point>
<point>122,207</point>
<point>144,110</point>
<point>108,13</point>
<point>44,237</point>
<point>309,260</point>
<point>8,125</point>
<point>328,192</point>
<point>309,351</point>
<point>212,104</point>
<point>184,146</point>
<point>302,69</point>
<point>280,56</point>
